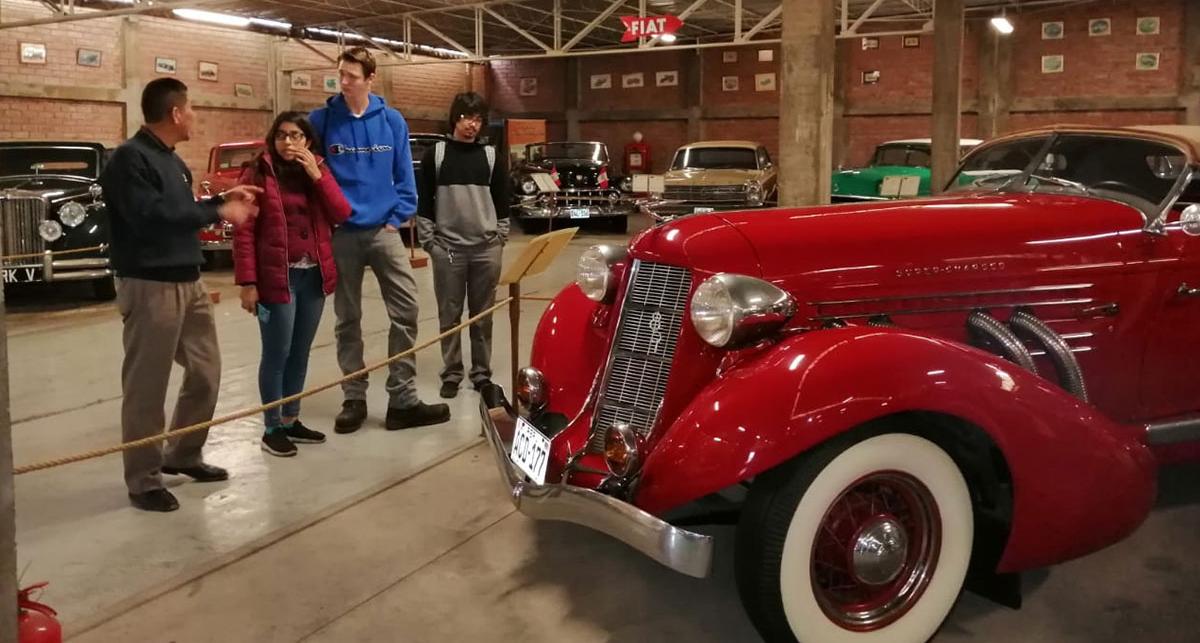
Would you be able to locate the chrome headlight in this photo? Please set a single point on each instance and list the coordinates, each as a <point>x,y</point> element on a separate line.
<point>95,191</point>
<point>51,231</point>
<point>594,273</point>
<point>731,310</point>
<point>622,449</point>
<point>72,214</point>
<point>754,193</point>
<point>626,184</point>
<point>528,186</point>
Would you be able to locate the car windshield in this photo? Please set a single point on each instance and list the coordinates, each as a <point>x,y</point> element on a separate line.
<point>909,155</point>
<point>235,157</point>
<point>578,151</point>
<point>418,146</point>
<point>1132,170</point>
<point>716,158</point>
<point>62,160</point>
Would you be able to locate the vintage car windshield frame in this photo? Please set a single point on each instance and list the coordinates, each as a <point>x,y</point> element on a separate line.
<point>84,148</point>
<point>758,166</point>
<point>597,146</point>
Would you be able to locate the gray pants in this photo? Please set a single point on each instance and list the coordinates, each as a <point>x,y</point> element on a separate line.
<point>384,252</point>
<point>165,323</point>
<point>471,274</point>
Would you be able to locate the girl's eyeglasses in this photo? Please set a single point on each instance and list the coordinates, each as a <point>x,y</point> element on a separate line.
<point>295,137</point>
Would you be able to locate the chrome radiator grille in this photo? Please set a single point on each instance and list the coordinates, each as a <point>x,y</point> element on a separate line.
<point>572,197</point>
<point>707,193</point>
<point>643,350</point>
<point>20,217</point>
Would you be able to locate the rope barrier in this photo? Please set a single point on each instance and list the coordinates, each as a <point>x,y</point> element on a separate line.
<point>170,435</point>
<point>39,255</point>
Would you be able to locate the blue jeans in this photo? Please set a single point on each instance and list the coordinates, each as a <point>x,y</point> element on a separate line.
<point>287,336</point>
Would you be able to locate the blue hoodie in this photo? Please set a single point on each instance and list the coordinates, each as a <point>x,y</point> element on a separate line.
<point>370,159</point>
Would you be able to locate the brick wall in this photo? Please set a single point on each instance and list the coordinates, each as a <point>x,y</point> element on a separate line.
<point>504,83</point>
<point>649,95</point>
<point>293,55</point>
<point>62,43</point>
<point>430,86</point>
<point>1109,118</point>
<point>744,69</point>
<point>240,56</point>
<point>905,73</point>
<point>59,120</point>
<point>215,126</point>
<point>866,132</point>
<point>662,136</point>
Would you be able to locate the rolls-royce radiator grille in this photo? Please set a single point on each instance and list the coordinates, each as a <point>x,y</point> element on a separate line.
<point>20,217</point>
<point>643,350</point>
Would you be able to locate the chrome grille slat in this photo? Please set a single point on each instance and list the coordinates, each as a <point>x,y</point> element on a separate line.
<point>643,349</point>
<point>706,193</point>
<point>20,216</point>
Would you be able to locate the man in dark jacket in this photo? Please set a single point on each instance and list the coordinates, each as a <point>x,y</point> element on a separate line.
<point>463,225</point>
<point>166,311</point>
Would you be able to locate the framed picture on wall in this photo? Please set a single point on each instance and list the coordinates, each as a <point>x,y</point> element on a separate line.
<point>301,80</point>
<point>635,79</point>
<point>728,56</point>
<point>1052,64</point>
<point>764,82</point>
<point>912,42</point>
<point>528,86</point>
<point>1147,61</point>
<point>1052,30</point>
<point>87,57</point>
<point>766,55</point>
<point>164,65</point>
<point>208,71</point>
<point>870,77</point>
<point>1148,26</point>
<point>666,78</point>
<point>1100,27</point>
<point>243,90</point>
<point>729,83</point>
<point>601,81</point>
<point>33,53</point>
<point>870,43</point>
<point>330,84</point>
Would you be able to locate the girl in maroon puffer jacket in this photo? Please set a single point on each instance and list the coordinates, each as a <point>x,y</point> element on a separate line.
<point>284,263</point>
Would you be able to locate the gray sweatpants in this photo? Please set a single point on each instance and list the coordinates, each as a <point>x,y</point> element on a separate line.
<point>470,274</point>
<point>384,252</point>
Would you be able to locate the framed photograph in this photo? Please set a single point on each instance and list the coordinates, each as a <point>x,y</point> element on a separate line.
<point>1052,64</point>
<point>164,65</point>
<point>912,42</point>
<point>635,79</point>
<point>766,55</point>
<point>87,57</point>
<point>870,43</point>
<point>870,77</point>
<point>729,83</point>
<point>329,84</point>
<point>33,53</point>
<point>208,71</point>
<point>1148,26</point>
<point>1052,30</point>
<point>528,86</point>
<point>1100,27</point>
<point>764,82</point>
<point>301,80</point>
<point>666,78</point>
<point>728,56</point>
<point>601,81</point>
<point>243,90</point>
<point>1147,61</point>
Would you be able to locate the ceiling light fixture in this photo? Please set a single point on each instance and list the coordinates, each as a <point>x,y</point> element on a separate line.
<point>667,37</point>
<point>1001,24</point>
<point>212,17</point>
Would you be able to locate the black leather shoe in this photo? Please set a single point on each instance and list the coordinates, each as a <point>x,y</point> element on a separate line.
<point>352,416</point>
<point>449,390</point>
<point>420,415</point>
<point>154,500</point>
<point>479,386</point>
<point>200,473</point>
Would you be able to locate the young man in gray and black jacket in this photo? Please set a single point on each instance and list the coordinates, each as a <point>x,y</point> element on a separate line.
<point>463,225</point>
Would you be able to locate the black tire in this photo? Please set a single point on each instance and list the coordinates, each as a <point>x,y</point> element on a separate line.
<point>104,289</point>
<point>794,513</point>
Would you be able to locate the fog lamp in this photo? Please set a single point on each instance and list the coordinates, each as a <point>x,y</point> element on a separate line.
<point>531,389</point>
<point>51,231</point>
<point>72,214</point>
<point>622,449</point>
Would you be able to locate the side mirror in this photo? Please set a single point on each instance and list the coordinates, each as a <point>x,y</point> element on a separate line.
<point>206,185</point>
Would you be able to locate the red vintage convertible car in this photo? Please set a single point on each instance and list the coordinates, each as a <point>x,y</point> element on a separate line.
<point>904,398</point>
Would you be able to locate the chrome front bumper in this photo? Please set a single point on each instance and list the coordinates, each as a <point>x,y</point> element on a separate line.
<point>683,551</point>
<point>53,270</point>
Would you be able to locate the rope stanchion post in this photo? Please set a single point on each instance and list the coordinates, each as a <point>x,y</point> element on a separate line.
<point>514,321</point>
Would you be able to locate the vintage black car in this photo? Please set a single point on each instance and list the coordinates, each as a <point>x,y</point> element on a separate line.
<point>50,202</point>
<point>576,183</point>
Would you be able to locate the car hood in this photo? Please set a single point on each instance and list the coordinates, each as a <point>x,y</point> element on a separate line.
<point>693,176</point>
<point>52,187</point>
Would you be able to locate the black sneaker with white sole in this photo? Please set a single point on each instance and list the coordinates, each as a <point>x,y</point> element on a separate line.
<point>301,434</point>
<point>277,443</point>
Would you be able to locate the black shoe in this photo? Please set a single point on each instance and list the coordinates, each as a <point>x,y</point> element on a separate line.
<point>449,390</point>
<point>301,434</point>
<point>154,500</point>
<point>200,473</point>
<point>277,443</point>
<point>420,415</point>
<point>352,416</point>
<point>480,384</point>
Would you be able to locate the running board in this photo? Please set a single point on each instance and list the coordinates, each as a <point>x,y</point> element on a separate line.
<point>1184,429</point>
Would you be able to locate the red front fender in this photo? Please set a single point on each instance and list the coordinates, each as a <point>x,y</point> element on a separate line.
<point>1081,481</point>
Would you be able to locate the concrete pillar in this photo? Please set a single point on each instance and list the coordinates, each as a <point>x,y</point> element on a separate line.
<point>947,98</point>
<point>1189,88</point>
<point>841,128</point>
<point>8,515</point>
<point>571,92</point>
<point>279,84</point>
<point>131,79</point>
<point>806,103</point>
<point>693,93</point>
<point>995,82</point>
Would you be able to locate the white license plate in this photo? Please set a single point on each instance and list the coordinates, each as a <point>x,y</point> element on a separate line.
<point>530,451</point>
<point>578,213</point>
<point>20,275</point>
<point>701,210</point>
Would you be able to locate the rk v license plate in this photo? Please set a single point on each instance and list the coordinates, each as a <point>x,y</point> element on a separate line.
<point>20,275</point>
<point>530,451</point>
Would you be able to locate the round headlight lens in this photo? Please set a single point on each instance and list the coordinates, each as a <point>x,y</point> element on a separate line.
<point>593,274</point>
<point>528,186</point>
<point>622,452</point>
<point>51,231</point>
<point>713,312</point>
<point>754,193</point>
<point>72,214</point>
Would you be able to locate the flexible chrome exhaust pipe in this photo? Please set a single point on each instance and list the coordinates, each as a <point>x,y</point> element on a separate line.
<point>1070,376</point>
<point>988,333</point>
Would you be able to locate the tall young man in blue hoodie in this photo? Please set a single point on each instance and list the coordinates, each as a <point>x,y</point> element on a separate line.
<point>366,148</point>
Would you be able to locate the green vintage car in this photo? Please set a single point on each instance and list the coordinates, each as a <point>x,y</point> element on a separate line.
<point>899,169</point>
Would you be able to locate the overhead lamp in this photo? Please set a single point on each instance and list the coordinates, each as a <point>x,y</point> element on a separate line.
<point>212,17</point>
<point>271,24</point>
<point>667,37</point>
<point>1002,24</point>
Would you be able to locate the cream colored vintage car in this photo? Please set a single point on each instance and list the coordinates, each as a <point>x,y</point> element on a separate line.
<point>718,175</point>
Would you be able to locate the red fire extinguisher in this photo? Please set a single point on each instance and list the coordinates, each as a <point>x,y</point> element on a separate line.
<point>36,622</point>
<point>637,156</point>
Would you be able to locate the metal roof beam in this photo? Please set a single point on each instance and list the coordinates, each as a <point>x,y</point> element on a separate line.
<point>447,39</point>
<point>762,24</point>
<point>512,25</point>
<point>863,18</point>
<point>110,13</point>
<point>604,15</point>
<point>683,15</point>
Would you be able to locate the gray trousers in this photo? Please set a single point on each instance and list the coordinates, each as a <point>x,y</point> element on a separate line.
<point>384,252</point>
<point>165,323</point>
<point>470,274</point>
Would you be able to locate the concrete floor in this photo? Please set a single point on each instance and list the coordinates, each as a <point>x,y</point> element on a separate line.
<point>379,536</point>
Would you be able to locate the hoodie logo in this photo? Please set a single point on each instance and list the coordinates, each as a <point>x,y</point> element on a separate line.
<point>337,149</point>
